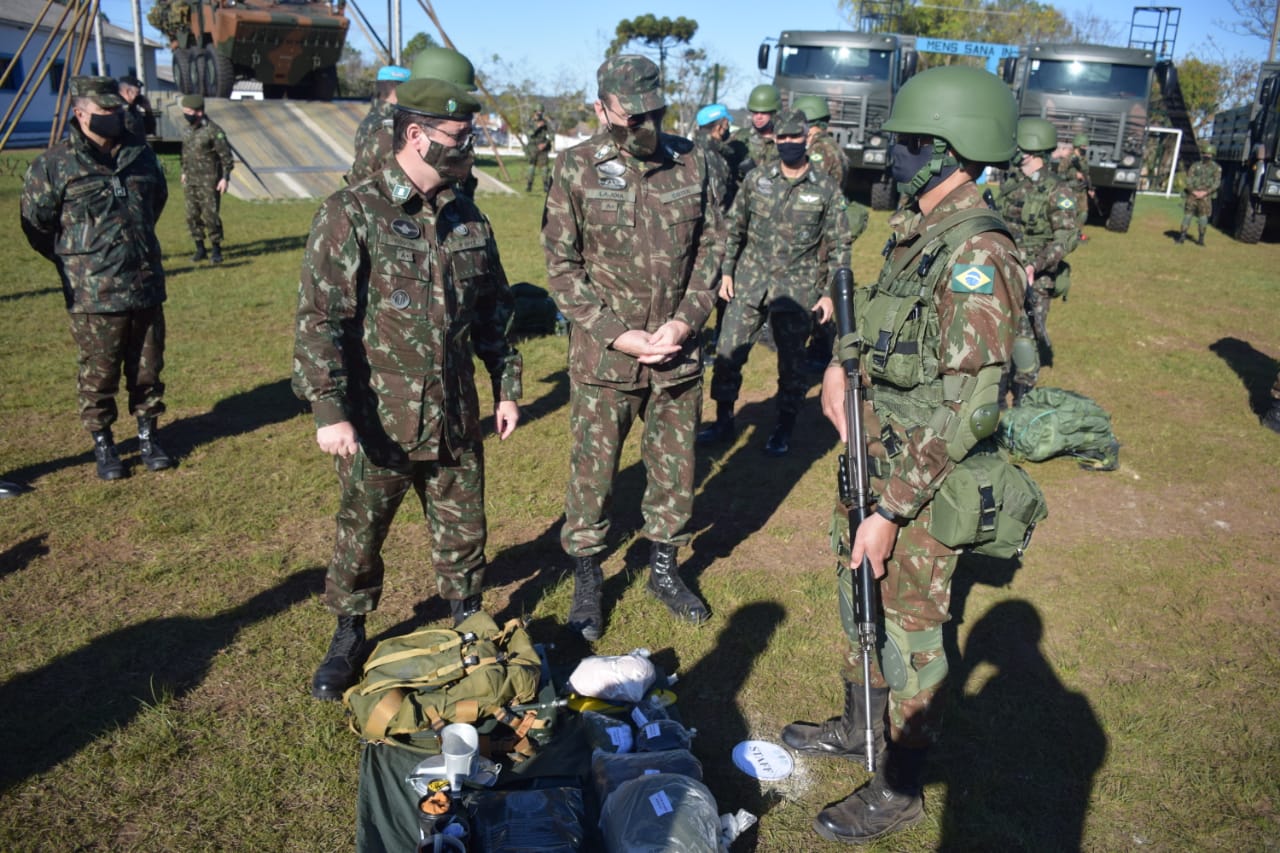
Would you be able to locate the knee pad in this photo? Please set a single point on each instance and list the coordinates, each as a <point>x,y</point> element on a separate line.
<point>1026,355</point>
<point>896,659</point>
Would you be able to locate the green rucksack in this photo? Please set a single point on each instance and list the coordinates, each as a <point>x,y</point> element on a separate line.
<point>1052,422</point>
<point>416,684</point>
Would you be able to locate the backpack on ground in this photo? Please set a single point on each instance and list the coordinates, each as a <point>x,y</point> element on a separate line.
<point>1052,422</point>
<point>416,684</point>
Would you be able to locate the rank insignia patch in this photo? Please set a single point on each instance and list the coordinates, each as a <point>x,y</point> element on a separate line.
<point>972,278</point>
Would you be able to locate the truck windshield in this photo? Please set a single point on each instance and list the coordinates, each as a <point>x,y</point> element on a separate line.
<point>826,62</point>
<point>1095,79</point>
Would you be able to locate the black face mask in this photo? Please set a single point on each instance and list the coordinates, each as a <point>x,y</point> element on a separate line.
<point>192,118</point>
<point>109,126</point>
<point>917,173</point>
<point>792,153</point>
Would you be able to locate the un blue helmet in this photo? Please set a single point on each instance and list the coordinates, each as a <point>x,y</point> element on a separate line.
<point>397,73</point>
<point>712,113</point>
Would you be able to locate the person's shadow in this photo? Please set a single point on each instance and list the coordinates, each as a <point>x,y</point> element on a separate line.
<point>1019,756</point>
<point>104,684</point>
<point>1256,370</point>
<point>16,558</point>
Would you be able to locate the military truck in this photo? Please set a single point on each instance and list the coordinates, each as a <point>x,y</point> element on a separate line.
<point>291,46</point>
<point>859,74</point>
<point>1099,91</point>
<point>1248,149</point>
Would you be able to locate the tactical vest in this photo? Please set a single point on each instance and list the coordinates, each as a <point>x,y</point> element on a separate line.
<point>1033,214</point>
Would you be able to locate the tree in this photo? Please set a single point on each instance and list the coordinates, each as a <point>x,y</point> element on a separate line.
<point>414,46</point>
<point>1257,18</point>
<point>355,74</point>
<point>661,34</point>
<point>1203,84</point>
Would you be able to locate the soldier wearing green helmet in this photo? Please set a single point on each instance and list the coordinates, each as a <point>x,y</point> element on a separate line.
<point>935,334</point>
<point>1203,180</point>
<point>756,140</point>
<point>1040,209</point>
<point>1073,167</point>
<point>443,63</point>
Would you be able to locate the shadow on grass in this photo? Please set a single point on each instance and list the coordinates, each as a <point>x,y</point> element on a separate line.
<point>1257,370</point>
<point>18,557</point>
<point>553,399</point>
<point>1018,756</point>
<point>49,714</point>
<point>27,294</point>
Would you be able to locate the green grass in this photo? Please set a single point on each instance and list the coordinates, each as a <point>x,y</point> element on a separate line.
<point>1115,692</point>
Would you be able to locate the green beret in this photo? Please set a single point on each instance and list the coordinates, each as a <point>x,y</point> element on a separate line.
<point>439,98</point>
<point>103,91</point>
<point>790,123</point>
<point>193,102</point>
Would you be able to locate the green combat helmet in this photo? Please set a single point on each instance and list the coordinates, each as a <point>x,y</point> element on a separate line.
<point>1080,140</point>
<point>1036,135</point>
<point>814,107</point>
<point>764,99</point>
<point>1208,150</point>
<point>968,107</point>
<point>441,63</point>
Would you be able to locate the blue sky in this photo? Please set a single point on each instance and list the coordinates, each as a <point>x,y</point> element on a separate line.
<point>563,42</point>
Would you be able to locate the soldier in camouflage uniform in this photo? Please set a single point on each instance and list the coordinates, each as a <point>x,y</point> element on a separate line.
<point>138,117</point>
<point>401,287</point>
<point>206,173</point>
<point>90,205</point>
<point>629,235</point>
<point>373,137</point>
<point>754,144</point>
<point>932,372</point>
<point>540,139</point>
<point>1074,169</point>
<point>1203,180</point>
<point>786,237</point>
<point>712,137</point>
<point>1040,210</point>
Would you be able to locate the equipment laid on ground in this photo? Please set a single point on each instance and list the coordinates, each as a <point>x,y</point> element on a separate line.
<point>1051,422</point>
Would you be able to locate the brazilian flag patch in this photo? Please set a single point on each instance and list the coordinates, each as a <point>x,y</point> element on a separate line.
<point>1066,203</point>
<point>972,278</point>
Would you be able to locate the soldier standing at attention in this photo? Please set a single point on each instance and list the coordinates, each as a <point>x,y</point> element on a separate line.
<point>90,205</point>
<point>401,287</point>
<point>138,118</point>
<point>1074,169</point>
<point>756,142</point>
<point>1040,210</point>
<point>787,235</point>
<point>1203,180</point>
<point>629,235</point>
<point>373,136</point>
<point>933,374</point>
<point>206,173</point>
<point>540,139</point>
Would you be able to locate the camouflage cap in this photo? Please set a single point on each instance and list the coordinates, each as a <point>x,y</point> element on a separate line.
<point>633,79</point>
<point>438,98</point>
<point>103,91</point>
<point>790,123</point>
<point>193,102</point>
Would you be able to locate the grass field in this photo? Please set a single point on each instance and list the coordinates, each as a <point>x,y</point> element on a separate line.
<point>1112,692</point>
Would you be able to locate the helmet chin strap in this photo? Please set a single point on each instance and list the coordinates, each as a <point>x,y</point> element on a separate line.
<point>940,166</point>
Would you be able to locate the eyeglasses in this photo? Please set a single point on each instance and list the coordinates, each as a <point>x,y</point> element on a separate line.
<point>463,139</point>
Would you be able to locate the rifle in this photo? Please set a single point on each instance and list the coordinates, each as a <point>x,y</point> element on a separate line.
<point>855,494</point>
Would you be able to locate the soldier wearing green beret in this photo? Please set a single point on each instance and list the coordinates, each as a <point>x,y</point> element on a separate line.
<point>90,205</point>
<point>401,288</point>
<point>206,173</point>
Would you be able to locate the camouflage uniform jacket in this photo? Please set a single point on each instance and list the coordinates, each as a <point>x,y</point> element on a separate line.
<point>539,136</point>
<point>373,143</point>
<point>949,318</point>
<point>724,184</point>
<point>760,150</point>
<point>206,154</point>
<point>137,116</point>
<point>1074,169</point>
<point>1204,175</point>
<point>94,215</point>
<point>826,156</point>
<point>395,297</point>
<point>1042,216</point>
<point>786,238</point>
<point>630,244</point>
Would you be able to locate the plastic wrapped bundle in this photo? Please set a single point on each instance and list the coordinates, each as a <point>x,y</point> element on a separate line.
<point>606,733</point>
<point>661,813</point>
<point>549,820</point>
<point>609,771</point>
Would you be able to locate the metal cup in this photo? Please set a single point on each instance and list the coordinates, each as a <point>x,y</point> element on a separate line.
<point>459,743</point>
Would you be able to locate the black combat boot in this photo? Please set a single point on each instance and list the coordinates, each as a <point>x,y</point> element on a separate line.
<point>341,664</point>
<point>461,608</point>
<point>585,614</point>
<point>892,800</point>
<point>779,444</point>
<point>1181,238</point>
<point>106,456</point>
<point>1019,390</point>
<point>215,257</point>
<point>666,586</point>
<point>720,431</point>
<point>844,736</point>
<point>200,254</point>
<point>153,455</point>
<point>1271,420</point>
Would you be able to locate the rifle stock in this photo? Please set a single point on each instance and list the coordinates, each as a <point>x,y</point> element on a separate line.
<point>855,495</point>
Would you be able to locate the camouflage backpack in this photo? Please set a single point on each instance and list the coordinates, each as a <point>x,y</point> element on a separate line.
<point>1052,422</point>
<point>416,684</point>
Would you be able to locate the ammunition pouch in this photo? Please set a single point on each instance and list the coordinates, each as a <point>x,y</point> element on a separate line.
<point>1062,281</point>
<point>989,506</point>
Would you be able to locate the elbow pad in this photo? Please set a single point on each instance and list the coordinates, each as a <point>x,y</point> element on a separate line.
<point>979,412</point>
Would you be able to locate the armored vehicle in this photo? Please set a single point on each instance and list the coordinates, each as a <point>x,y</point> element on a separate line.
<point>1248,149</point>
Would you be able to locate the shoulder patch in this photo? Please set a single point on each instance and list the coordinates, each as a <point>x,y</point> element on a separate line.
<point>973,278</point>
<point>1066,203</point>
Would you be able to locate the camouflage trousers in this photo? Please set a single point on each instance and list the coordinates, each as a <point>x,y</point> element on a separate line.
<point>203,205</point>
<point>1198,209</point>
<point>539,160</point>
<point>600,418</point>
<point>743,321</point>
<point>105,343</point>
<point>451,492</point>
<point>1034,323</point>
<point>915,594</point>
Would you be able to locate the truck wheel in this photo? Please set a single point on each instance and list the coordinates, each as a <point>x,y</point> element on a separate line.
<point>1120,215</point>
<point>182,72</point>
<point>204,61</point>
<point>224,73</point>
<point>883,196</point>
<point>1249,223</point>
